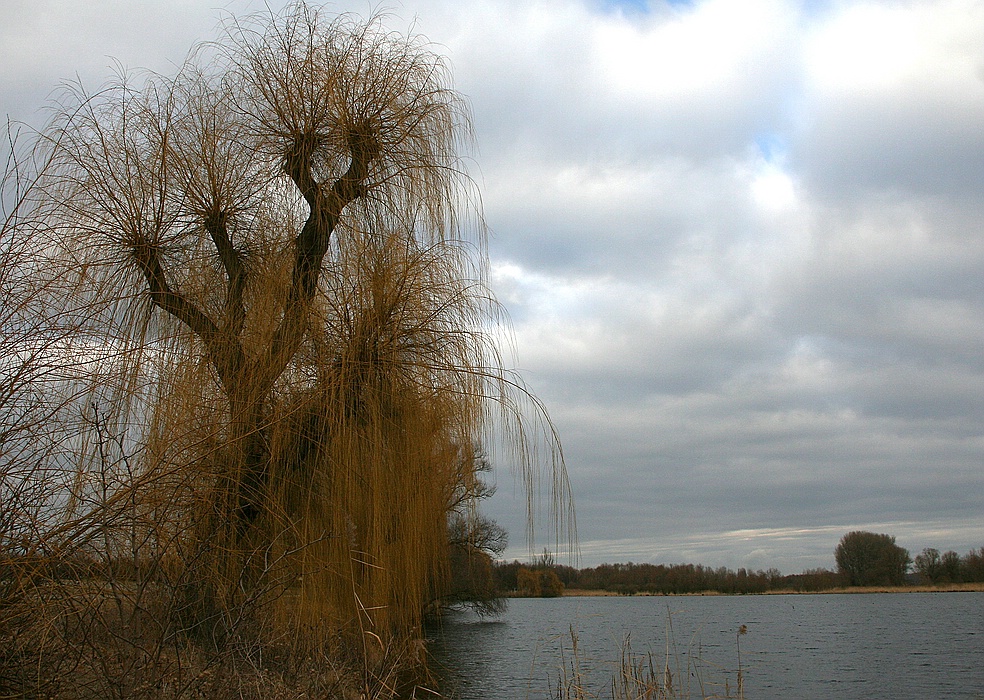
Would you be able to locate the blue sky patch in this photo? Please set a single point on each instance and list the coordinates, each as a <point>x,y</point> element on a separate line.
<point>771,145</point>
<point>643,6</point>
<point>638,5</point>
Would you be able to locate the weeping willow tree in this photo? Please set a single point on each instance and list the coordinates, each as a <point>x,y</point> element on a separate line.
<point>279,257</point>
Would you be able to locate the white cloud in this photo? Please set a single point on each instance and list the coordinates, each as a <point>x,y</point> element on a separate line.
<point>773,190</point>
<point>886,47</point>
<point>892,99</point>
<point>712,50</point>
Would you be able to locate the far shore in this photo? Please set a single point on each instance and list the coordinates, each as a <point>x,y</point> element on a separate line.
<point>946,588</point>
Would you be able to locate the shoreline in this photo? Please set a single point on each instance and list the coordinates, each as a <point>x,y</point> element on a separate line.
<point>946,588</point>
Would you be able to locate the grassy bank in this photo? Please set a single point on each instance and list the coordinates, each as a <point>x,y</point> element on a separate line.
<point>941,588</point>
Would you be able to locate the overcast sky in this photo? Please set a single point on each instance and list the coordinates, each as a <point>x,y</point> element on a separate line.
<point>741,244</point>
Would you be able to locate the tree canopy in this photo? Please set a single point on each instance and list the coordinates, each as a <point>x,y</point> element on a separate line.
<point>284,351</point>
<point>869,559</point>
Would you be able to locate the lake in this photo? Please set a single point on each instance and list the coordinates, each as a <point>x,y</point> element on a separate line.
<point>850,646</point>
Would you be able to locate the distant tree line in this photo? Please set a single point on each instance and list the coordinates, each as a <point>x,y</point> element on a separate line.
<point>869,559</point>
<point>950,567</point>
<point>863,559</point>
<point>631,579</point>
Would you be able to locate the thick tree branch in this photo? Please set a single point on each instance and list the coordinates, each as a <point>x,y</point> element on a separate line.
<point>224,350</point>
<point>216,224</point>
<point>312,243</point>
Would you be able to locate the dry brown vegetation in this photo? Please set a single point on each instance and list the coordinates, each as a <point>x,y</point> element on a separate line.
<point>251,366</point>
<point>675,674</point>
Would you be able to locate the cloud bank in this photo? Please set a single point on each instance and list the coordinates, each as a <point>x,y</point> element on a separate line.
<point>740,243</point>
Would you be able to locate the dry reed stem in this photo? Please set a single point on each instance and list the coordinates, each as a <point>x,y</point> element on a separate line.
<point>675,676</point>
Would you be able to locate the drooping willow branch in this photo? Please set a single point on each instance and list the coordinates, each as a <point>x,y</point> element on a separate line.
<point>272,242</point>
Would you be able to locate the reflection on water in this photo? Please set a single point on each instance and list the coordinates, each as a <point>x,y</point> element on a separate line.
<point>909,645</point>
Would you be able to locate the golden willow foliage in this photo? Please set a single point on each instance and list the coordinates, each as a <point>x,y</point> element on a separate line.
<point>294,337</point>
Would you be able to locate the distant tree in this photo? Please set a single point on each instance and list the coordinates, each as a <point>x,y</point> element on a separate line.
<point>869,559</point>
<point>972,566</point>
<point>506,575</point>
<point>951,566</point>
<point>538,583</point>
<point>813,580</point>
<point>568,575</point>
<point>550,584</point>
<point>473,543</point>
<point>928,565</point>
<point>528,582</point>
<point>545,560</point>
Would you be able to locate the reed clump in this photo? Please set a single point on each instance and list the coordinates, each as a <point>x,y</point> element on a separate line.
<point>672,675</point>
<point>255,363</point>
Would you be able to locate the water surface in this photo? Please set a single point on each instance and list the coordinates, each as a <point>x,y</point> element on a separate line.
<point>851,646</point>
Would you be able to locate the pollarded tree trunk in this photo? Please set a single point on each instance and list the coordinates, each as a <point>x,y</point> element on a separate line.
<point>252,449</point>
<point>248,381</point>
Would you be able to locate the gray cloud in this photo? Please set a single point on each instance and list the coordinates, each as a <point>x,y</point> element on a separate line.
<point>740,244</point>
